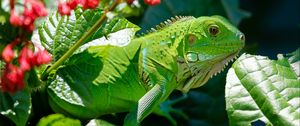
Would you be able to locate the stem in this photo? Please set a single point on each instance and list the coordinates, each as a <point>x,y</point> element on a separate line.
<point>80,41</point>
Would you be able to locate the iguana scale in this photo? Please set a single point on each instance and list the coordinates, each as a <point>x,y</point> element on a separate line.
<point>181,55</point>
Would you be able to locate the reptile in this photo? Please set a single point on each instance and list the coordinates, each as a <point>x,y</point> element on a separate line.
<point>181,54</point>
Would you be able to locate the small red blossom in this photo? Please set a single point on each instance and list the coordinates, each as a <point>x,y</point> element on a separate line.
<point>32,10</point>
<point>12,79</point>
<point>25,59</point>
<point>38,8</point>
<point>72,4</point>
<point>152,2</point>
<point>64,9</point>
<point>14,19</point>
<point>42,57</point>
<point>8,53</point>
<point>13,75</point>
<point>91,4</point>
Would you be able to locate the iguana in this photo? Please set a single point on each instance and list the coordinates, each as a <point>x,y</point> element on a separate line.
<point>181,54</point>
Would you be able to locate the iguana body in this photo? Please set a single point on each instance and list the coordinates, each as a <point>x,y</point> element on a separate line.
<point>141,75</point>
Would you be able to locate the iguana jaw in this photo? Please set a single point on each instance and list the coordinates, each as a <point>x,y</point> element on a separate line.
<point>217,68</point>
<point>196,80</point>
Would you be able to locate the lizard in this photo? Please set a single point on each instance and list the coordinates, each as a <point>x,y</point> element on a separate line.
<point>180,54</point>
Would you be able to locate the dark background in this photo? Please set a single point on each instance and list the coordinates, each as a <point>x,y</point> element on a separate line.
<point>274,25</point>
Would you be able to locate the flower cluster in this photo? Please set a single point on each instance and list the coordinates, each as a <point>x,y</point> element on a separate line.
<point>64,8</point>
<point>13,75</point>
<point>149,2</point>
<point>32,10</point>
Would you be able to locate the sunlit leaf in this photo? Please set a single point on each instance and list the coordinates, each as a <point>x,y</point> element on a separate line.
<point>260,89</point>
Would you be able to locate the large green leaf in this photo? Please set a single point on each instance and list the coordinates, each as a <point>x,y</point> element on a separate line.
<point>262,90</point>
<point>76,80</point>
<point>16,107</point>
<point>59,33</point>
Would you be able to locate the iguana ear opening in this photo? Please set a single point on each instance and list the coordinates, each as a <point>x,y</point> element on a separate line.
<point>192,39</point>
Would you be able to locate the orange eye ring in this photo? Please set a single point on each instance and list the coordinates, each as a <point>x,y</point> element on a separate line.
<point>214,30</point>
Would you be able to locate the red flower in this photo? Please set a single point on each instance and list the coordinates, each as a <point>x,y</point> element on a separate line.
<point>14,19</point>
<point>12,79</point>
<point>64,9</point>
<point>8,53</point>
<point>32,10</point>
<point>25,59</point>
<point>73,4</point>
<point>38,8</point>
<point>91,4</point>
<point>42,57</point>
<point>152,2</point>
<point>13,76</point>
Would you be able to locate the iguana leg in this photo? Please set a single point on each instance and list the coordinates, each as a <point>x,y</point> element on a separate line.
<point>165,109</point>
<point>145,106</point>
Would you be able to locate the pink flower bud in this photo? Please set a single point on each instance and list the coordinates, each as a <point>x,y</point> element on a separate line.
<point>42,57</point>
<point>25,59</point>
<point>39,9</point>
<point>15,19</point>
<point>64,9</point>
<point>73,4</point>
<point>8,53</point>
<point>91,4</point>
<point>152,2</point>
<point>12,79</point>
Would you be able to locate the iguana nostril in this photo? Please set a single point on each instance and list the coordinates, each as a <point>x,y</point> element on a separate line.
<point>242,37</point>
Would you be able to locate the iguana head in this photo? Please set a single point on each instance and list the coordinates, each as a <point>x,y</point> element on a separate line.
<point>208,46</point>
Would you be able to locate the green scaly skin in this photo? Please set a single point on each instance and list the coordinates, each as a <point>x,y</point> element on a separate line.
<point>141,75</point>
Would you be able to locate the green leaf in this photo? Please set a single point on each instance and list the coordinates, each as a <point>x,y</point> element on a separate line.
<point>79,83</point>
<point>170,8</point>
<point>260,89</point>
<point>58,120</point>
<point>16,107</point>
<point>294,59</point>
<point>114,25</point>
<point>59,33</point>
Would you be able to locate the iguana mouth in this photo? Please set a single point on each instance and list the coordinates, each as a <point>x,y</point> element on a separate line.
<point>196,80</point>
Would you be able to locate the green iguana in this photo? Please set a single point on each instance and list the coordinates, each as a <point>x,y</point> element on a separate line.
<point>182,55</point>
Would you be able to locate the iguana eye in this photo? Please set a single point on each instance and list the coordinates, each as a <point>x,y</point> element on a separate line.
<point>214,30</point>
<point>192,38</point>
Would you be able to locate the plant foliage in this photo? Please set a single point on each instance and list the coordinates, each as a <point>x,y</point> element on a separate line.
<point>262,89</point>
